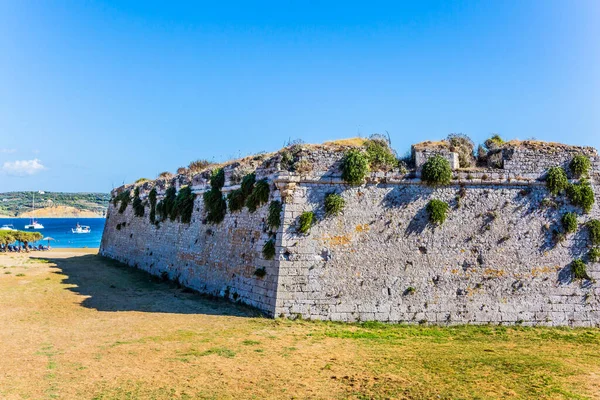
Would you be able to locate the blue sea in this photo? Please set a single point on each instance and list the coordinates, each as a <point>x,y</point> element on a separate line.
<point>60,229</point>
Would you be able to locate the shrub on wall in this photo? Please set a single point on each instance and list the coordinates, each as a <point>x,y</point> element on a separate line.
<point>594,254</point>
<point>184,204</point>
<point>215,206</point>
<point>305,221</point>
<point>168,203</point>
<point>260,272</point>
<point>334,204</point>
<point>259,195</point>
<point>355,167</point>
<point>236,200</point>
<point>248,184</point>
<point>556,180</point>
<point>217,179</point>
<point>268,249</point>
<point>594,231</point>
<point>581,195</point>
<point>578,268</point>
<point>437,211</point>
<point>152,200</point>
<point>123,197</point>
<point>274,218</point>
<point>464,146</point>
<point>379,154</point>
<point>580,165</point>
<point>198,165</point>
<point>437,171</point>
<point>137,205</point>
<point>493,143</point>
<point>569,222</point>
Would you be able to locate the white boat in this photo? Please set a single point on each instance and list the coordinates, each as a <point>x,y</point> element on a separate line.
<point>8,227</point>
<point>81,229</point>
<point>33,224</point>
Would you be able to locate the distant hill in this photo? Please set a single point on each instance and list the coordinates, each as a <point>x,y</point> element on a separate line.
<point>54,204</point>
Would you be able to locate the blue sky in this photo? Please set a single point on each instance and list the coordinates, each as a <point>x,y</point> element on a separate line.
<point>94,94</point>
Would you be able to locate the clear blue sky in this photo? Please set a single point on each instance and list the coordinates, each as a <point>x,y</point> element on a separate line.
<point>97,93</point>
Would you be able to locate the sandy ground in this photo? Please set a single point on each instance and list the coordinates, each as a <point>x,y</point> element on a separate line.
<point>77,326</point>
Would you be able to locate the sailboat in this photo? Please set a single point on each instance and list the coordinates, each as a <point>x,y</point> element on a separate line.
<point>33,224</point>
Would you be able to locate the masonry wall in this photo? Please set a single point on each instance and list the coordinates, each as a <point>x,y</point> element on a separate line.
<point>492,261</point>
<point>214,259</point>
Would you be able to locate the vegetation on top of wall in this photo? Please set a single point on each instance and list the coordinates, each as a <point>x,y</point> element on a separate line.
<point>165,174</point>
<point>464,146</point>
<point>579,270</point>
<point>594,254</point>
<point>137,205</point>
<point>334,204</point>
<point>237,198</point>
<point>268,249</point>
<point>217,179</point>
<point>379,154</point>
<point>594,231</point>
<point>259,195</point>
<point>142,180</point>
<point>152,200</point>
<point>355,167</point>
<point>305,221</point>
<point>580,165</point>
<point>437,211</point>
<point>436,171</point>
<point>494,142</point>
<point>556,180</point>
<point>124,197</point>
<point>198,165</point>
<point>569,222</point>
<point>184,204</point>
<point>581,195</point>
<point>248,182</point>
<point>274,218</point>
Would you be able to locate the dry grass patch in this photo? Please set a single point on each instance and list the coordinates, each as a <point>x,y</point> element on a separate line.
<point>82,327</point>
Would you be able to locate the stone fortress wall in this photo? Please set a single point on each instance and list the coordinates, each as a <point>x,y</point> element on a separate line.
<point>494,260</point>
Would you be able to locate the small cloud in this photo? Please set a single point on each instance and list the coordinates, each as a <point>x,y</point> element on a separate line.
<point>22,168</point>
<point>8,151</point>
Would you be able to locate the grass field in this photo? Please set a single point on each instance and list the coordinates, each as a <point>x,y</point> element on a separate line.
<point>77,326</point>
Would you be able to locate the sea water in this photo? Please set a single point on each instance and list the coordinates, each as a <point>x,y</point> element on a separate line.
<point>60,230</point>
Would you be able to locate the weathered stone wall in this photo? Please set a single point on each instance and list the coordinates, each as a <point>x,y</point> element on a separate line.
<point>493,261</point>
<point>215,259</point>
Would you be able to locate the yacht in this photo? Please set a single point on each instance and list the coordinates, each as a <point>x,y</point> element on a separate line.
<point>33,224</point>
<point>81,229</point>
<point>7,227</point>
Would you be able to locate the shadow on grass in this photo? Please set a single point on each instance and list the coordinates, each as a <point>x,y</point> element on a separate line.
<point>112,286</point>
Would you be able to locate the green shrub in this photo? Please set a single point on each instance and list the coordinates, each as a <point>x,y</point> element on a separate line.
<point>494,142</point>
<point>580,165</point>
<point>217,179</point>
<point>379,154</point>
<point>556,180</point>
<point>355,167</point>
<point>274,218</point>
<point>581,195</point>
<point>268,249</point>
<point>334,204</point>
<point>437,171</point>
<point>166,206</point>
<point>464,147</point>
<point>305,221</point>
<point>184,204</point>
<point>248,184</point>
<point>260,272</point>
<point>142,180</point>
<point>137,205</point>
<point>437,211</point>
<point>578,268</point>
<point>594,254</point>
<point>569,222</point>
<point>124,197</point>
<point>236,200</point>
<point>259,195</point>
<point>215,206</point>
<point>594,231</point>
<point>152,200</point>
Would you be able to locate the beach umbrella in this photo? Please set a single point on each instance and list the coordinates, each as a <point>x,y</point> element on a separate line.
<point>48,238</point>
